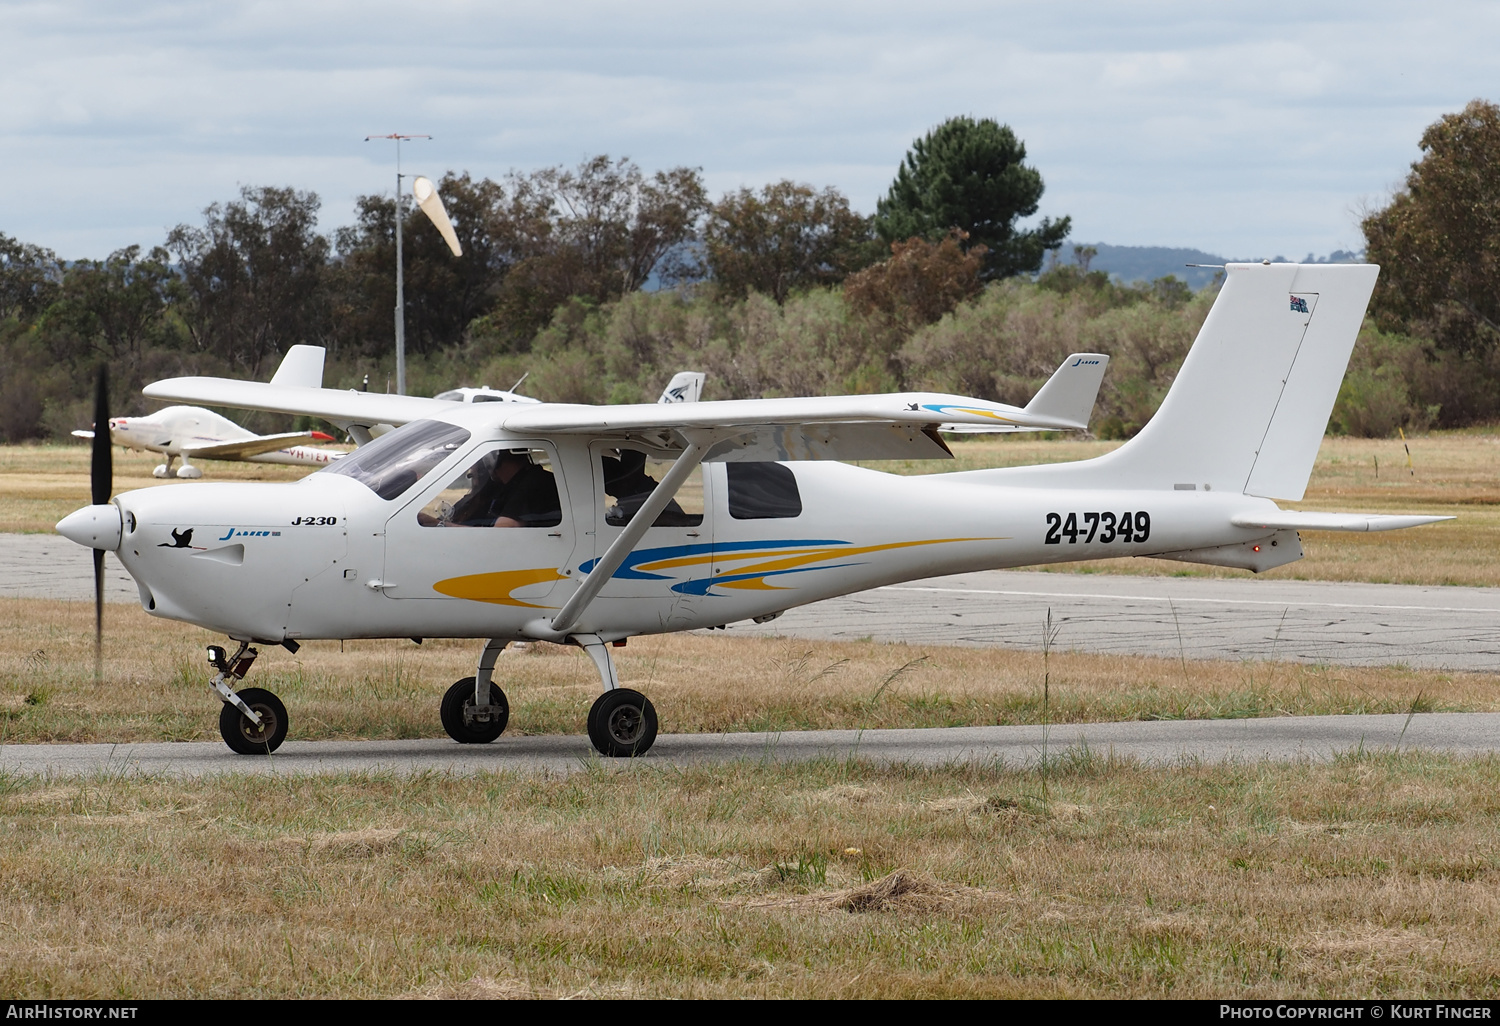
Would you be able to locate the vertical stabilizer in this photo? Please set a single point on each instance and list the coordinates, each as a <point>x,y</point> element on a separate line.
<point>685,387</point>
<point>1247,410</point>
<point>302,366</point>
<point>1070,393</point>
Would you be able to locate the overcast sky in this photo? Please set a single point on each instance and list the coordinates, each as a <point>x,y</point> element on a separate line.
<point>1242,129</point>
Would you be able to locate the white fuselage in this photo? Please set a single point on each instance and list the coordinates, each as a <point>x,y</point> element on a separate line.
<point>326,557</point>
<point>178,430</point>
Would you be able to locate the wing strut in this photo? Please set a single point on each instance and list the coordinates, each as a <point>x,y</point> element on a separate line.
<point>568,616</point>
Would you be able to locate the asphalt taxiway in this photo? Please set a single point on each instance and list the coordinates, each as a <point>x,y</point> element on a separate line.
<point>1157,743</point>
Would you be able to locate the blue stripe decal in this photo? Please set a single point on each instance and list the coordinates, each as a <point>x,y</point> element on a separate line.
<point>628,572</point>
<point>701,587</point>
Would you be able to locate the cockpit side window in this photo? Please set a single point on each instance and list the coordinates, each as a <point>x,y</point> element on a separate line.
<point>504,487</point>
<point>629,480</point>
<point>395,461</point>
<point>762,491</point>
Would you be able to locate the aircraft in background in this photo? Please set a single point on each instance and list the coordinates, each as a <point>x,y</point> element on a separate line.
<point>296,388</point>
<point>189,432</point>
<point>685,387</point>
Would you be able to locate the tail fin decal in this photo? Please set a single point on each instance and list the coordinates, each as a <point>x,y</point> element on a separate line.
<point>685,387</point>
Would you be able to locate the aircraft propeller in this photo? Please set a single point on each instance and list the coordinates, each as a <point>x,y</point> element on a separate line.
<point>101,483</point>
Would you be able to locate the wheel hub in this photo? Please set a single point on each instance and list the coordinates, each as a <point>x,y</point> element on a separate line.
<point>258,732</point>
<point>626,724</point>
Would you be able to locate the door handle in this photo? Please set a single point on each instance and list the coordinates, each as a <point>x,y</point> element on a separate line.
<point>377,584</point>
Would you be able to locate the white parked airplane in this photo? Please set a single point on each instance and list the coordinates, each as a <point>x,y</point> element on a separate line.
<point>189,432</point>
<point>588,550</point>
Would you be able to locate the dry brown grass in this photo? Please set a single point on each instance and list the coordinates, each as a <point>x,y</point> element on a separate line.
<point>41,484</point>
<point>1455,473</point>
<point>1368,877</point>
<point>156,683</point>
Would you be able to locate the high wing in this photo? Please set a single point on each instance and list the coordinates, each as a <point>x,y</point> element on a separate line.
<point>247,447</point>
<point>1068,395</point>
<point>853,427</point>
<point>296,388</point>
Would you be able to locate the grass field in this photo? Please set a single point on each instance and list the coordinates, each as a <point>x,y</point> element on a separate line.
<point>1456,473</point>
<point>1373,876</point>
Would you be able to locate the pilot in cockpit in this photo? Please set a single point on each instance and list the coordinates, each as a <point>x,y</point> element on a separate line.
<point>506,489</point>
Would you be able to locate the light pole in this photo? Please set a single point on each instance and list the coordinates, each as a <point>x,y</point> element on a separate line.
<point>400,277</point>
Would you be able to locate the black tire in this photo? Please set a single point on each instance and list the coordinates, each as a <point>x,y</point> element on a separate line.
<point>247,738</point>
<point>622,723</point>
<point>464,729</point>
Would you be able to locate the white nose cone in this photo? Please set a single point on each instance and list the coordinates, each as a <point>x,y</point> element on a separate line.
<point>96,527</point>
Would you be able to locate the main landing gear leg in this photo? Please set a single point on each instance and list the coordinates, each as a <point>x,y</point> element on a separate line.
<point>474,711</point>
<point>622,722</point>
<point>252,721</point>
<point>164,469</point>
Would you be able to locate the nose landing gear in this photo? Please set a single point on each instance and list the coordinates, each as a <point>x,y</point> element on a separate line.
<point>253,721</point>
<point>249,738</point>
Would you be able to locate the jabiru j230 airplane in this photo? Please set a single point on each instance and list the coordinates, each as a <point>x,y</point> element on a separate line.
<point>560,531</point>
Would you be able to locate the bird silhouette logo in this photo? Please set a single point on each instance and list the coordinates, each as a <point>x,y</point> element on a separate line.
<point>180,540</point>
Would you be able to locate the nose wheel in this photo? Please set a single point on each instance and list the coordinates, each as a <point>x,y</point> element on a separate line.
<point>244,735</point>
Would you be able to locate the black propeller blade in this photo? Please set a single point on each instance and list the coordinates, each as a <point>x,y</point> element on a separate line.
<point>101,483</point>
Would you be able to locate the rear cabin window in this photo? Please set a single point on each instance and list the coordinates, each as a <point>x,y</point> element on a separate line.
<point>395,461</point>
<point>629,479</point>
<point>762,491</point>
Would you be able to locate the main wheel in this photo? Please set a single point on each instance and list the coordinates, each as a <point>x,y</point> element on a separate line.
<point>469,723</point>
<point>247,738</point>
<point>622,723</point>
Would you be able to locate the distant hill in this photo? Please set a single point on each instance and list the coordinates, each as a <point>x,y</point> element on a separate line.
<point>1147,263</point>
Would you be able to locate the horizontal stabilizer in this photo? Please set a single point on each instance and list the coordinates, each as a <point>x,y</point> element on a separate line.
<point>1292,520</point>
<point>247,447</point>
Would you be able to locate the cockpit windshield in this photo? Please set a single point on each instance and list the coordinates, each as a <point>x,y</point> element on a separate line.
<point>395,461</point>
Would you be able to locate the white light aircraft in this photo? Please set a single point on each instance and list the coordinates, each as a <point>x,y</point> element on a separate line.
<point>751,514</point>
<point>189,432</point>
